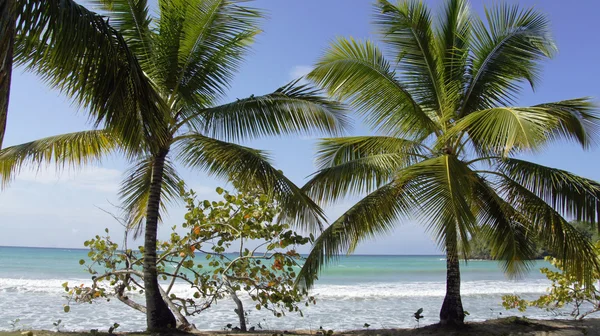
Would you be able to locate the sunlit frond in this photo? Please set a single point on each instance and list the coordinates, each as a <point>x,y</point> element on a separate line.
<point>406,27</point>
<point>505,51</point>
<point>357,72</point>
<point>291,109</point>
<point>505,130</point>
<point>355,165</point>
<point>201,44</point>
<point>453,38</point>
<point>72,150</point>
<point>250,168</point>
<point>335,151</point>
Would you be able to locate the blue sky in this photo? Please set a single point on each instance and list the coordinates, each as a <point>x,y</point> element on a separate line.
<point>42,208</point>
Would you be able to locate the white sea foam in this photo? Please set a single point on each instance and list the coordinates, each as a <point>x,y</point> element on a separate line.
<point>428,289</point>
<point>359,290</point>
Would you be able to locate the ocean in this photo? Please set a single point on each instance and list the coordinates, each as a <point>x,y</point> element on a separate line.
<point>383,291</point>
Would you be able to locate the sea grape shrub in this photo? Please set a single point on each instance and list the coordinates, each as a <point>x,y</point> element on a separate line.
<point>565,290</point>
<point>223,249</point>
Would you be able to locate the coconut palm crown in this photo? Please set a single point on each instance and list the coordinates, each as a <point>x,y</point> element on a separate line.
<point>442,96</point>
<point>188,55</point>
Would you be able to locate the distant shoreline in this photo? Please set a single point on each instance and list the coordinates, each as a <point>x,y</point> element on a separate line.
<point>86,249</point>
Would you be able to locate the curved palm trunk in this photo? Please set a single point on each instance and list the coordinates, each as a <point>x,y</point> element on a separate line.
<point>7,31</point>
<point>452,312</point>
<point>158,315</point>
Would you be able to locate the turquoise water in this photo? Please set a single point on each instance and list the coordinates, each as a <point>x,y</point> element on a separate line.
<point>383,291</point>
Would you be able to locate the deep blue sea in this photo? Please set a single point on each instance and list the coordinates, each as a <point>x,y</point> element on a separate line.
<point>383,291</point>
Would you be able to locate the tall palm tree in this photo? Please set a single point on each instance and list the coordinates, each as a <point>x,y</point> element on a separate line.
<point>189,54</point>
<point>450,141</point>
<point>77,52</point>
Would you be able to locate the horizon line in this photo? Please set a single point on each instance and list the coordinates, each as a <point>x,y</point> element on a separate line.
<point>85,249</point>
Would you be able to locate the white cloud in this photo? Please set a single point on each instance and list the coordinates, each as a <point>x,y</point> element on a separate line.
<point>299,71</point>
<point>93,178</point>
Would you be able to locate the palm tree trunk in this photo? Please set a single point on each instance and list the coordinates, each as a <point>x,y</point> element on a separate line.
<point>158,315</point>
<point>452,312</point>
<point>7,31</point>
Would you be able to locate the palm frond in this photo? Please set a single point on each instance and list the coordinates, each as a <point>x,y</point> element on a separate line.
<point>135,191</point>
<point>202,43</point>
<point>443,197</point>
<point>505,52</point>
<point>407,29</point>
<point>132,19</point>
<point>578,120</point>
<point>77,52</point>
<point>571,195</point>
<point>355,165</point>
<point>291,109</point>
<point>556,234</point>
<point>250,168</point>
<point>357,72</point>
<point>503,131</point>
<point>361,222</point>
<point>453,36</point>
<point>511,242</point>
<point>67,150</point>
<point>335,151</point>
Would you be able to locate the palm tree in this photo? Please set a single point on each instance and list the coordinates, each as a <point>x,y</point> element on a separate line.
<point>450,138</point>
<point>189,54</point>
<point>77,52</point>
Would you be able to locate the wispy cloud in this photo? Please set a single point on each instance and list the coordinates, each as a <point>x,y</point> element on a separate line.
<point>93,178</point>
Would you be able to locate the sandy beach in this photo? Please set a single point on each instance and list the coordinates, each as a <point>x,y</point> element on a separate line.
<point>498,327</point>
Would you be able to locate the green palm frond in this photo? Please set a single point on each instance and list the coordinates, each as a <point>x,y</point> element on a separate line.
<point>201,44</point>
<point>335,151</point>
<point>556,234</point>
<point>250,168</point>
<point>77,52</point>
<point>505,51</point>
<point>355,165</point>
<point>132,19</point>
<point>293,108</point>
<point>505,230</point>
<point>567,193</point>
<point>453,38</point>
<point>502,131</point>
<point>361,222</point>
<point>135,190</point>
<point>443,197</point>
<point>578,120</point>
<point>357,72</point>
<point>67,150</point>
<point>407,29</point>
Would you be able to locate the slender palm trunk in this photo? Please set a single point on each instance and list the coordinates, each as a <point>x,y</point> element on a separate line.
<point>452,312</point>
<point>158,315</point>
<point>7,39</point>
